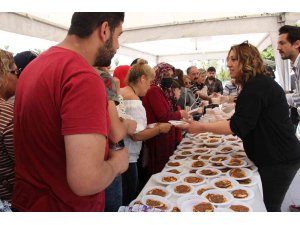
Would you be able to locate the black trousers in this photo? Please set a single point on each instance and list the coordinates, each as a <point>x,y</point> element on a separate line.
<point>276,180</point>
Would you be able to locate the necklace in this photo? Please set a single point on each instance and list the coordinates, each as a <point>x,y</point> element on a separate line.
<point>132,89</point>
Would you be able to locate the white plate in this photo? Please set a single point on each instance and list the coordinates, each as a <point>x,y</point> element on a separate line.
<point>211,160</point>
<point>165,201</point>
<point>240,203</point>
<point>159,176</point>
<point>168,194</point>
<point>187,206</point>
<point>219,173</point>
<point>233,182</point>
<point>231,138</point>
<point>249,191</point>
<point>133,202</point>
<point>176,122</point>
<point>226,194</point>
<point>238,155</point>
<point>248,173</point>
<point>204,157</point>
<point>177,157</point>
<point>226,163</point>
<point>183,179</point>
<point>184,198</point>
<point>171,188</point>
<point>184,152</point>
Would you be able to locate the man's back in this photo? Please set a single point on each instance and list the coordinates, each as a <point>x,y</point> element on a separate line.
<point>56,96</point>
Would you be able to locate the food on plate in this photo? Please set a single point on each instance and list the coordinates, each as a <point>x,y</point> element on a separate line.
<point>193,179</point>
<point>201,190</point>
<point>177,157</point>
<point>173,171</point>
<point>186,148</point>
<point>226,149</point>
<point>216,198</point>
<point>245,181</point>
<point>205,157</point>
<point>238,156</point>
<point>138,202</point>
<point>186,153</point>
<point>198,163</point>
<point>156,204</point>
<point>235,162</point>
<point>187,143</point>
<point>223,184</point>
<point>203,207</point>
<point>212,140</point>
<point>173,164</point>
<point>157,191</point>
<point>237,173</point>
<point>182,189</point>
<point>169,179</point>
<point>195,157</point>
<point>200,150</point>
<point>218,159</point>
<point>193,171</point>
<point>239,208</point>
<point>209,172</point>
<point>224,170</point>
<point>240,193</point>
<point>175,209</point>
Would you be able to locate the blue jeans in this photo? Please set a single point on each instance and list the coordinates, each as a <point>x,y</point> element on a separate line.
<point>130,183</point>
<point>113,195</point>
<point>276,180</point>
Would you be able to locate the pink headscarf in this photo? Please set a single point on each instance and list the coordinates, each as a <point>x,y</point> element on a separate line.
<point>169,94</point>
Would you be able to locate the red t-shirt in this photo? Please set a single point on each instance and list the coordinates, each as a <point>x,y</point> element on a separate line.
<point>58,94</point>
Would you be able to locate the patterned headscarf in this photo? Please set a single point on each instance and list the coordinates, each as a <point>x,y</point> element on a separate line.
<point>169,94</point>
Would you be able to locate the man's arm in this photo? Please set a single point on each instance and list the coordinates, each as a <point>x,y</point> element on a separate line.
<point>87,172</point>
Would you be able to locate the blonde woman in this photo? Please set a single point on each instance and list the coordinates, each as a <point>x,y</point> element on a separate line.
<point>138,82</point>
<point>8,80</point>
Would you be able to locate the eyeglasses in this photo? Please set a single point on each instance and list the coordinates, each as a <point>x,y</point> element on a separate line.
<point>15,72</point>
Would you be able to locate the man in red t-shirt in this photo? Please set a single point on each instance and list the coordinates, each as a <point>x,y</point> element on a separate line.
<point>62,123</point>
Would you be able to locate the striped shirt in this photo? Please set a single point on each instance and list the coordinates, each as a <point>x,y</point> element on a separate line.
<point>7,174</point>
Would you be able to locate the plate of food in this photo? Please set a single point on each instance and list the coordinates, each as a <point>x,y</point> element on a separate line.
<point>192,179</point>
<point>197,205</point>
<point>248,182</point>
<point>234,163</point>
<point>181,189</point>
<point>237,206</point>
<point>224,183</point>
<point>157,190</point>
<point>175,163</point>
<point>166,178</point>
<point>205,187</point>
<point>242,193</point>
<point>209,172</point>
<point>239,173</point>
<point>157,202</point>
<point>218,197</point>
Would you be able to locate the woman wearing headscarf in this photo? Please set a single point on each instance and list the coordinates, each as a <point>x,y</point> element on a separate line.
<point>262,121</point>
<point>8,80</point>
<point>161,106</point>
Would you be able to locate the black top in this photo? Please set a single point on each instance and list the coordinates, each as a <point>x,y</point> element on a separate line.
<point>262,121</point>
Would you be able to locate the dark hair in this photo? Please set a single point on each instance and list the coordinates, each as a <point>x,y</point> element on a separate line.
<point>211,69</point>
<point>269,71</point>
<point>22,59</point>
<point>189,69</point>
<point>179,74</point>
<point>136,60</point>
<point>83,24</point>
<point>293,33</point>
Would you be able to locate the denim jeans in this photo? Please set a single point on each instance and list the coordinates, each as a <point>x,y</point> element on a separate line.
<point>113,195</point>
<point>130,183</point>
<point>276,180</point>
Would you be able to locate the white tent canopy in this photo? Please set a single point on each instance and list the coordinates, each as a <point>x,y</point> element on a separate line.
<point>171,37</point>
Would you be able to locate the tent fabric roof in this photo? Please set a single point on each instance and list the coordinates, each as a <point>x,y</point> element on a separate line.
<point>169,37</point>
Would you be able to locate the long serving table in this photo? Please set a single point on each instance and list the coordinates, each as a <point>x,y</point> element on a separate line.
<point>206,148</point>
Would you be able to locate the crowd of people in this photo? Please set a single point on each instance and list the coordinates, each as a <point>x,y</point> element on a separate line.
<point>75,138</point>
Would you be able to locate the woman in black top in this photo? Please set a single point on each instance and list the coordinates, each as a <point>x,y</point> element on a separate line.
<point>262,121</point>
